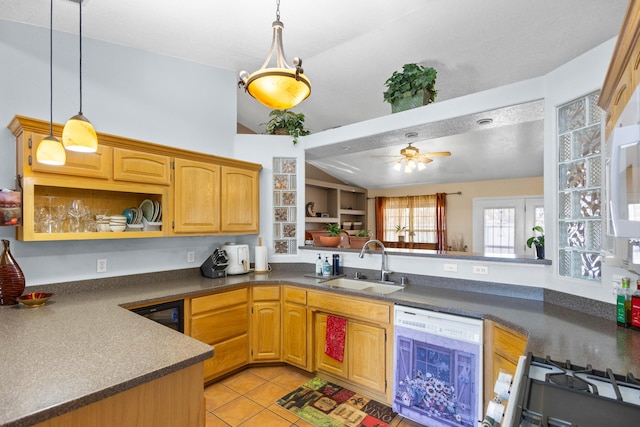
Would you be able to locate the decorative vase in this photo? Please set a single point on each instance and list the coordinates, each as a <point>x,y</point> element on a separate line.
<point>330,241</point>
<point>400,238</point>
<point>408,102</point>
<point>11,277</point>
<point>281,131</point>
<point>539,252</point>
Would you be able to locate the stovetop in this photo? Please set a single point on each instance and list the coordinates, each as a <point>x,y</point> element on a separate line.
<point>553,393</point>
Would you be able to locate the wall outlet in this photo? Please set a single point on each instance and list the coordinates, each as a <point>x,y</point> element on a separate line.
<point>480,269</point>
<point>451,267</point>
<point>191,256</point>
<point>101,266</point>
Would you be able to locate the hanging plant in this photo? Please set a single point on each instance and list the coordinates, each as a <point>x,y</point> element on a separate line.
<point>285,122</point>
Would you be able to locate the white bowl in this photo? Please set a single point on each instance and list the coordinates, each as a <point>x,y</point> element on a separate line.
<point>117,228</point>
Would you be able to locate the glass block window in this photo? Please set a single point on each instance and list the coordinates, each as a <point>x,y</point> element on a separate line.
<point>579,145</point>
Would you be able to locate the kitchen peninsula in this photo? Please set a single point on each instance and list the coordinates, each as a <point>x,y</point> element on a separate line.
<point>114,350</point>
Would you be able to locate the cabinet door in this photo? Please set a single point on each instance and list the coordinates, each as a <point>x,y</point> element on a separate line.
<point>229,355</point>
<point>295,335</point>
<point>265,331</point>
<point>367,361</point>
<point>197,197</point>
<point>136,166</point>
<point>89,165</point>
<point>240,203</point>
<point>324,362</point>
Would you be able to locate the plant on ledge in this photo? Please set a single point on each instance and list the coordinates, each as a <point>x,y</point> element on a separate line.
<point>333,229</point>
<point>285,122</point>
<point>414,87</point>
<point>537,241</point>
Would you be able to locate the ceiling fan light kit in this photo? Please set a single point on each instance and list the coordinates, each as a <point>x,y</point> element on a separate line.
<point>411,158</point>
<point>280,87</point>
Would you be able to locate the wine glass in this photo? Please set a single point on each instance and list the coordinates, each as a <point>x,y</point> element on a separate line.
<point>76,211</point>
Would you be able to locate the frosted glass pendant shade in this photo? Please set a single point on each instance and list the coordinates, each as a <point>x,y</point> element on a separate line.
<point>79,135</point>
<point>51,152</point>
<point>278,88</point>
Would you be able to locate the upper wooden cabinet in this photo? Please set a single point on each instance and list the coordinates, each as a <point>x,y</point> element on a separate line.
<point>623,75</point>
<point>137,166</point>
<point>240,202</point>
<point>196,190</point>
<point>200,194</point>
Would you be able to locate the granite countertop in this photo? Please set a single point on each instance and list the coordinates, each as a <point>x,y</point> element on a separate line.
<point>84,345</point>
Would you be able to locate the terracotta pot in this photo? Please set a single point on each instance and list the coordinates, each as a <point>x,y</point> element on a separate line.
<point>358,242</point>
<point>330,241</point>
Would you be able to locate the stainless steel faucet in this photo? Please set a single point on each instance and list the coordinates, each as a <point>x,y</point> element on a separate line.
<point>383,268</point>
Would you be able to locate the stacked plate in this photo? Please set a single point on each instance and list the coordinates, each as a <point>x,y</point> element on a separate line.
<point>134,218</point>
<point>117,222</point>
<point>151,210</point>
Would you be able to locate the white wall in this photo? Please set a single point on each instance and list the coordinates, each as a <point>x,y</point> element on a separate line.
<point>126,92</point>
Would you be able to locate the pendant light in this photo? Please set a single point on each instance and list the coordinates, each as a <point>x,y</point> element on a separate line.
<point>50,151</point>
<point>280,87</point>
<point>78,133</point>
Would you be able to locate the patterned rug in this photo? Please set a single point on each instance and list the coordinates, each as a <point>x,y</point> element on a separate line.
<point>325,404</point>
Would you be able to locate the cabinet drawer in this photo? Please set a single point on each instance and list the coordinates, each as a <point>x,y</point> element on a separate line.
<point>295,295</point>
<point>354,308</point>
<point>220,325</point>
<point>510,345</point>
<point>228,355</point>
<point>215,301</point>
<point>136,166</point>
<point>266,293</point>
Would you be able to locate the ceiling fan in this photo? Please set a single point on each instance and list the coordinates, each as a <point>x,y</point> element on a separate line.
<point>411,158</point>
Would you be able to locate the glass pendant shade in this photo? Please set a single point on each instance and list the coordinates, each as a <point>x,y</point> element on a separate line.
<point>51,152</point>
<point>79,135</point>
<point>278,88</point>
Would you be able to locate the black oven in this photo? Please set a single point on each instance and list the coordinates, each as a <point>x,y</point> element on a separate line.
<point>170,314</point>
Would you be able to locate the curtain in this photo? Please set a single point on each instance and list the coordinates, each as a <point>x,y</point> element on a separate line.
<point>441,218</point>
<point>379,218</point>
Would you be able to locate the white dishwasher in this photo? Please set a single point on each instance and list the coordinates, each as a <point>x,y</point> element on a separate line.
<point>438,368</point>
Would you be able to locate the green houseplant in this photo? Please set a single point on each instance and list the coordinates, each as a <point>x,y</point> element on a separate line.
<point>359,239</point>
<point>537,241</point>
<point>413,87</point>
<point>333,239</point>
<point>400,231</point>
<point>283,122</point>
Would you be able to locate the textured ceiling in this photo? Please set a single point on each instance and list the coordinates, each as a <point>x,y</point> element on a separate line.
<point>351,47</point>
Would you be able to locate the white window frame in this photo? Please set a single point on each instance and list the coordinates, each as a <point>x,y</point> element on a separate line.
<point>524,219</point>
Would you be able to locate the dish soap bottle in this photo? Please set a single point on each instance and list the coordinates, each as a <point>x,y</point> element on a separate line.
<point>635,307</point>
<point>326,268</point>
<point>319,266</point>
<point>623,304</point>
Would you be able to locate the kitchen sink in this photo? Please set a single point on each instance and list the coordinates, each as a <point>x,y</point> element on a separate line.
<point>362,285</point>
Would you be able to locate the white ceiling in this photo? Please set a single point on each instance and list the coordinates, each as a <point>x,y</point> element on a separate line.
<point>350,48</point>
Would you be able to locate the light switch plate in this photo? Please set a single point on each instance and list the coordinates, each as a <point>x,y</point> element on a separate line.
<point>480,269</point>
<point>453,268</point>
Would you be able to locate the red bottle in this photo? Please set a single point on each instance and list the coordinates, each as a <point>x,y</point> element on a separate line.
<point>635,307</point>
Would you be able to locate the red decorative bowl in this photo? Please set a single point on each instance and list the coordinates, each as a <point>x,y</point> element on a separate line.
<point>34,299</point>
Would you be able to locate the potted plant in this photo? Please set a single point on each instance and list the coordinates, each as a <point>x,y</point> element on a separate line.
<point>333,239</point>
<point>285,122</point>
<point>411,88</point>
<point>360,238</point>
<point>399,230</point>
<point>538,241</point>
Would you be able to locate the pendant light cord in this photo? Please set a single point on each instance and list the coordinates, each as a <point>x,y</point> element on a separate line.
<point>80,36</point>
<point>51,70</point>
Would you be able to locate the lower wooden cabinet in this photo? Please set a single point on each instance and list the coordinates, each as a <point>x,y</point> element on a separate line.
<point>294,327</point>
<point>324,362</point>
<point>503,347</point>
<point>222,321</point>
<point>266,324</point>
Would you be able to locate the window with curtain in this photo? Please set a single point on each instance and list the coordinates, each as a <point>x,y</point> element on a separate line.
<point>418,215</point>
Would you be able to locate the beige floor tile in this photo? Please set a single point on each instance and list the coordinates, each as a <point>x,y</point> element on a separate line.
<point>266,394</point>
<point>213,421</point>
<point>291,379</point>
<point>408,423</point>
<point>243,382</point>
<point>268,372</point>
<point>266,418</point>
<point>217,395</point>
<point>238,411</point>
<point>289,416</point>
<point>303,423</point>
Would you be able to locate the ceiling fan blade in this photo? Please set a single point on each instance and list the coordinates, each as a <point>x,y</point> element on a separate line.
<point>436,154</point>
<point>425,160</point>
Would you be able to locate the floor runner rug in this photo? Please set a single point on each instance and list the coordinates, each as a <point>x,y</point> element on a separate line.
<point>325,404</point>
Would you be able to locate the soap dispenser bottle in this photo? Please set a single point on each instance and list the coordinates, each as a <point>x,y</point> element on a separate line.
<point>319,266</point>
<point>326,268</point>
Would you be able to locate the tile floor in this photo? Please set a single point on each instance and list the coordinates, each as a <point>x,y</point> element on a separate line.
<point>248,399</point>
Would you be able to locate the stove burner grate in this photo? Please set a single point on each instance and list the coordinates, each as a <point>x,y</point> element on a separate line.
<point>567,378</point>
